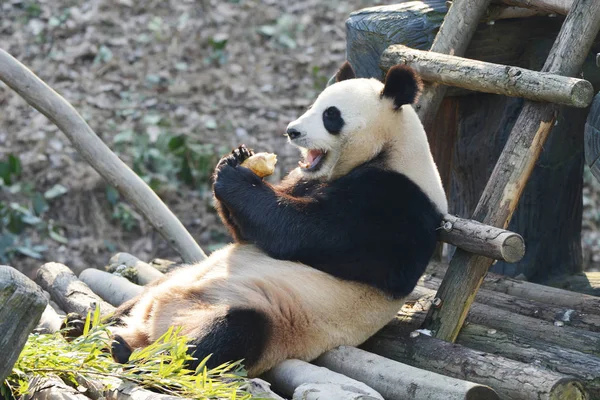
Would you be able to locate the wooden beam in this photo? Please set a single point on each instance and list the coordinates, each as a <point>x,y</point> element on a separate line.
<point>531,352</point>
<point>511,379</point>
<point>22,303</point>
<point>503,190</point>
<point>397,381</point>
<point>71,294</point>
<point>566,316</point>
<point>453,38</point>
<point>41,97</point>
<point>555,358</point>
<point>491,78</point>
<point>551,296</point>
<point>485,240</point>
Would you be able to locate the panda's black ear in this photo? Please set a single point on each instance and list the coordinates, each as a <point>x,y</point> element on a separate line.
<point>403,85</point>
<point>345,72</point>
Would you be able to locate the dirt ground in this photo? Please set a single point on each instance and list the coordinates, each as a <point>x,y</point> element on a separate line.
<point>219,73</point>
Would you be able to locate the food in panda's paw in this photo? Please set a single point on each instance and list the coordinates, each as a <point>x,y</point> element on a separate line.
<point>262,164</point>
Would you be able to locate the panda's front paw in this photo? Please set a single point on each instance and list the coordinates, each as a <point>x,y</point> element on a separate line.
<point>237,156</point>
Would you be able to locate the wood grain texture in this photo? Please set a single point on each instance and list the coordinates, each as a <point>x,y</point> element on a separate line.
<point>511,379</point>
<point>502,193</point>
<point>397,381</point>
<point>528,307</point>
<point>295,377</point>
<point>532,352</point>
<point>453,38</point>
<point>584,367</point>
<point>71,294</point>
<point>491,78</point>
<point>592,138</point>
<point>51,388</point>
<point>40,96</point>
<point>112,288</point>
<point>481,239</point>
<point>22,303</point>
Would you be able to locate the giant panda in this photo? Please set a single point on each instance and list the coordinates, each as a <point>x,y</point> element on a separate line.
<point>323,258</point>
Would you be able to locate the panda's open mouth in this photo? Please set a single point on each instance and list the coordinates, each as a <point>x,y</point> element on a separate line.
<point>313,160</point>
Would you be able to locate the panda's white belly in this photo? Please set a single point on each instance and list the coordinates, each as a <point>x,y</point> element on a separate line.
<point>310,311</point>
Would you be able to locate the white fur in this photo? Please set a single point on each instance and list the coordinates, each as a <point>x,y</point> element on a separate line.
<point>310,311</point>
<point>371,124</point>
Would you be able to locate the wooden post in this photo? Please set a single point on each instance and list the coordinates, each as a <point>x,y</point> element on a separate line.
<point>526,351</point>
<point>491,78</point>
<point>481,239</point>
<point>453,38</point>
<point>512,170</point>
<point>510,379</point>
<point>22,302</point>
<point>71,294</point>
<point>397,381</point>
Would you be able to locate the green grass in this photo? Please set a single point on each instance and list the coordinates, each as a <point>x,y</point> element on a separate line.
<point>157,367</point>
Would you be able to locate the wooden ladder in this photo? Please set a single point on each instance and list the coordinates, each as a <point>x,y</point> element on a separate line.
<point>545,90</point>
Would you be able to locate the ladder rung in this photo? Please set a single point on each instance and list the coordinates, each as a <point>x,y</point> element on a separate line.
<point>491,78</point>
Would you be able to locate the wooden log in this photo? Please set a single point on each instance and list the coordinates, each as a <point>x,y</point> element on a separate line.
<point>112,288</point>
<point>528,307</point>
<point>585,282</point>
<point>21,305</point>
<point>71,294</point>
<point>145,273</point>
<point>453,37</point>
<point>481,239</point>
<point>540,353</point>
<point>298,378</point>
<point>551,6</point>
<point>40,96</point>
<point>491,78</point>
<point>51,388</point>
<point>502,193</point>
<point>510,379</point>
<point>397,381</point>
<point>550,296</point>
<point>584,367</point>
<point>536,329</point>
<point>556,332</point>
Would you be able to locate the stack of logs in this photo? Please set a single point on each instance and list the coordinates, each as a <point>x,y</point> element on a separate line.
<point>521,340</point>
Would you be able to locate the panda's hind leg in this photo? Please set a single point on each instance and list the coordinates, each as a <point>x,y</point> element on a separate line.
<point>238,334</point>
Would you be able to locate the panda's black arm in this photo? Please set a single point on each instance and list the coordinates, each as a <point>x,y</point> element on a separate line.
<point>361,226</point>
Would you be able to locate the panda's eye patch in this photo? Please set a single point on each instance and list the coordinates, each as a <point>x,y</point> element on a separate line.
<point>332,120</point>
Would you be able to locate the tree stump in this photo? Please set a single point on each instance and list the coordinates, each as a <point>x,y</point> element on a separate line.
<point>22,302</point>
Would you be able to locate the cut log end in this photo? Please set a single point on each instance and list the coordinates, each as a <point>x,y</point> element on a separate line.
<point>582,94</point>
<point>568,389</point>
<point>481,393</point>
<point>513,248</point>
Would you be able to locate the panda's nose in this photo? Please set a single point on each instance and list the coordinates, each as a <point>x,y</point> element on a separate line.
<point>293,133</point>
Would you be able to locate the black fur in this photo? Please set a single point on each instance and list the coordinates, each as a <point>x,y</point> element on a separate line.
<point>402,85</point>
<point>120,350</point>
<point>332,120</point>
<point>372,225</point>
<point>345,72</point>
<point>241,333</point>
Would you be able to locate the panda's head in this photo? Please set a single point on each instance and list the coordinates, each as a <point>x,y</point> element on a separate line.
<point>353,120</point>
